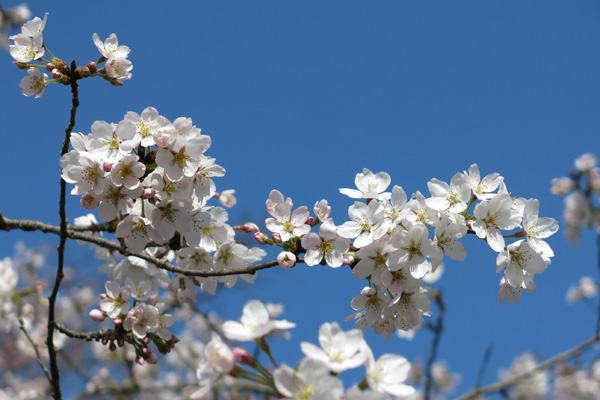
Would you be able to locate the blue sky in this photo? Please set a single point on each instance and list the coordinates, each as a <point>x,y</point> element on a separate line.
<point>301,96</point>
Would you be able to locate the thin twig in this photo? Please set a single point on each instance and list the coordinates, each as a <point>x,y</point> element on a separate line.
<point>484,364</point>
<point>550,362</point>
<point>598,250</point>
<point>35,348</point>
<point>55,372</point>
<point>437,334</point>
<point>7,224</point>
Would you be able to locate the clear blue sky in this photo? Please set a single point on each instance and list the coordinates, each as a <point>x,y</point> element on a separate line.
<point>300,96</point>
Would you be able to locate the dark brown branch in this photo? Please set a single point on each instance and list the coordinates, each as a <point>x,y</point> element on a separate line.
<point>437,334</point>
<point>513,380</point>
<point>80,335</point>
<point>54,371</point>
<point>30,225</point>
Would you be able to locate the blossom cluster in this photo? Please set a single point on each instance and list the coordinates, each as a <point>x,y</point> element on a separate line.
<point>397,241</point>
<point>582,192</point>
<point>29,46</point>
<point>150,177</point>
<point>316,376</point>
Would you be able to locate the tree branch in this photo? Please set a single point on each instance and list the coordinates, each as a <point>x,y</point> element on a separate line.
<point>80,335</point>
<point>54,371</point>
<point>437,332</point>
<point>35,348</point>
<point>550,362</point>
<point>30,225</point>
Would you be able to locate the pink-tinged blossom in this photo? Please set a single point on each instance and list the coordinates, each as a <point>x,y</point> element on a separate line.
<point>181,159</point>
<point>396,208</point>
<point>87,175</point>
<point>399,281</point>
<point>322,210</point>
<point>111,142</point>
<point>138,231</point>
<point>128,171</point>
<point>170,216</point>
<point>286,259</point>
<point>35,84</point>
<point>367,223</point>
<point>370,186</point>
<point>370,304</point>
<point>255,323</point>
<point>141,320</point>
<point>537,229</point>
<point>311,381</point>
<point>118,68</point>
<point>453,197</point>
<point>413,249</point>
<point>373,260</point>
<point>586,162</point>
<point>275,199</point>
<point>29,44</point>
<point>482,188</point>
<point>227,198</point>
<point>491,216</point>
<point>146,125</point>
<point>446,241</point>
<point>115,199</point>
<point>339,350</point>
<point>288,225</point>
<point>518,259</point>
<point>325,245</point>
<point>116,302</point>
<point>209,228</point>
<point>202,184</point>
<point>218,355</point>
<point>388,374</point>
<point>410,306</point>
<point>164,322</point>
<point>110,48</point>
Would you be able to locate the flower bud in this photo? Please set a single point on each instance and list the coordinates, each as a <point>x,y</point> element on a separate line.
<point>247,227</point>
<point>106,167</point>
<point>286,259</point>
<point>117,321</point>
<point>92,67</point>
<point>348,259</point>
<point>112,346</point>
<point>21,65</point>
<point>242,356</point>
<point>146,340</point>
<point>50,67</point>
<point>139,360</point>
<point>276,237</point>
<point>310,220</point>
<point>97,315</point>
<point>261,238</point>
<point>148,193</point>
<point>56,74</point>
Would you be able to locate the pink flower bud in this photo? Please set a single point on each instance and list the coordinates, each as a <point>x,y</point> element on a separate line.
<point>50,67</point>
<point>148,193</point>
<point>347,259</point>
<point>242,356</point>
<point>106,167</point>
<point>247,227</point>
<point>103,296</point>
<point>117,321</point>
<point>92,67</point>
<point>276,237</point>
<point>146,340</point>
<point>56,73</point>
<point>140,360</point>
<point>97,315</point>
<point>260,237</point>
<point>286,259</point>
<point>310,220</point>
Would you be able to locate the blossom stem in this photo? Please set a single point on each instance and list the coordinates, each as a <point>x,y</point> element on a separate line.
<point>262,343</point>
